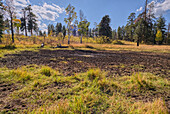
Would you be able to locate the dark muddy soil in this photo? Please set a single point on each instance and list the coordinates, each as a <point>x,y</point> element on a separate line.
<point>5,103</point>
<point>8,104</point>
<point>116,63</point>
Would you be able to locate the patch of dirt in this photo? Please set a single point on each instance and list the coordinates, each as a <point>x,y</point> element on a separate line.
<point>117,63</point>
<point>8,104</point>
<point>5,103</point>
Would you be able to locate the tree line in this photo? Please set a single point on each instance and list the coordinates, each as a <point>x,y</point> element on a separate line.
<point>144,28</point>
<point>149,31</point>
<point>27,23</point>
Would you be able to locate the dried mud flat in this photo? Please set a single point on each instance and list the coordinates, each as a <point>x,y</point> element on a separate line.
<point>116,63</point>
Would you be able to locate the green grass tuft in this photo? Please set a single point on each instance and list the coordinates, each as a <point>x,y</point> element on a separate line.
<point>46,71</point>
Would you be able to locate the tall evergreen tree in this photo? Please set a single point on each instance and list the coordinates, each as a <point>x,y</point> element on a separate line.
<point>52,30</point>
<point>32,21</point>
<point>44,33</point>
<point>24,21</point>
<point>154,31</point>
<point>40,33</point>
<point>149,28</point>
<point>123,32</point>
<point>49,29</point>
<point>168,35</point>
<point>119,33</point>
<point>1,20</point>
<point>114,34</point>
<point>95,30</point>
<point>7,25</point>
<point>139,31</point>
<point>90,32</point>
<point>161,26</point>
<point>130,27</point>
<point>104,27</point>
<point>58,28</point>
<point>64,31</point>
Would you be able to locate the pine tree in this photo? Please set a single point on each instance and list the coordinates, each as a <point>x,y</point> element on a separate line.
<point>130,27</point>
<point>168,35</point>
<point>161,26</point>
<point>1,20</point>
<point>32,21</point>
<point>40,33</point>
<point>104,27</point>
<point>49,29</point>
<point>64,31</point>
<point>24,21</point>
<point>90,32</point>
<point>154,31</point>
<point>123,32</point>
<point>119,33</point>
<point>114,33</point>
<point>44,33</point>
<point>139,31</point>
<point>52,29</point>
<point>58,28</point>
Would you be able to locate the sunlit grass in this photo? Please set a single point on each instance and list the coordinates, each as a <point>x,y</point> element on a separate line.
<point>46,90</point>
<point>26,43</point>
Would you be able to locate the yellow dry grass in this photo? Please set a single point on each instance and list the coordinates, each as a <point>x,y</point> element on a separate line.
<point>88,43</point>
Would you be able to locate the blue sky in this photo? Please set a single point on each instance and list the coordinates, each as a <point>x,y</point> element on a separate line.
<point>94,10</point>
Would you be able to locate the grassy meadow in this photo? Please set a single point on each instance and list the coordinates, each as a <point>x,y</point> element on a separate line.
<point>41,89</point>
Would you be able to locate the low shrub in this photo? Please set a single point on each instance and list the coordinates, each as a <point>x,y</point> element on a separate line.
<point>10,47</point>
<point>103,40</point>
<point>118,42</point>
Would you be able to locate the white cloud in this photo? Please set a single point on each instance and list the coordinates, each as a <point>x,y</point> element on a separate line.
<point>22,1</point>
<point>43,13</point>
<point>28,2</point>
<point>59,9</point>
<point>140,9</point>
<point>46,12</point>
<point>161,7</point>
<point>43,26</point>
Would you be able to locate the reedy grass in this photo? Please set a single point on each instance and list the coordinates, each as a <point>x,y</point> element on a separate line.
<point>89,92</point>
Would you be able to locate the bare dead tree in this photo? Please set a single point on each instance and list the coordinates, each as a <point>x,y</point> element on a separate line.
<point>146,4</point>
